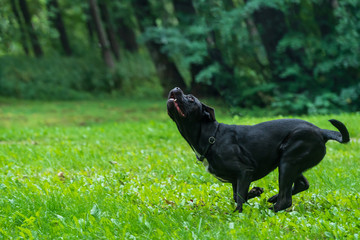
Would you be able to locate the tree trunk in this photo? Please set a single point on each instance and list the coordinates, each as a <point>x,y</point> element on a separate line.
<point>89,23</point>
<point>125,29</point>
<point>30,29</point>
<point>259,49</point>
<point>184,11</point>
<point>216,54</point>
<point>104,42</point>
<point>334,4</point>
<point>270,31</point>
<point>22,29</point>
<point>186,15</point>
<point>127,36</point>
<point>271,27</point>
<point>213,46</point>
<point>228,4</point>
<point>56,20</point>
<point>167,71</point>
<point>109,29</point>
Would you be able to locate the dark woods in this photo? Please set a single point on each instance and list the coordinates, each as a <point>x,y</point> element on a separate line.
<point>295,56</point>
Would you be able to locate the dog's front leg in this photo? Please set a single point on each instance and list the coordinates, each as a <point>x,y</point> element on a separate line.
<point>241,188</point>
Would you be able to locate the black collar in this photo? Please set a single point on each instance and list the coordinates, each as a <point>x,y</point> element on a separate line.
<point>211,141</point>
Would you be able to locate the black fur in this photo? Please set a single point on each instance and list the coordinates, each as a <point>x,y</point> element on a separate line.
<point>242,154</point>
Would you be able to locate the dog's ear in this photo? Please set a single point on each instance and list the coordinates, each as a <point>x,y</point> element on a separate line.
<point>208,113</point>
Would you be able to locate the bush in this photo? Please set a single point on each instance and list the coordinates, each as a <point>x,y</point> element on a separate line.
<point>66,78</point>
<point>322,103</point>
<point>53,77</point>
<point>138,76</point>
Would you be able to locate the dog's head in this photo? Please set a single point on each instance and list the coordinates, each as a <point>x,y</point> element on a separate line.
<point>187,108</point>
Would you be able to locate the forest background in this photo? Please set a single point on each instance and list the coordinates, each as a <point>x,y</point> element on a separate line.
<point>293,56</point>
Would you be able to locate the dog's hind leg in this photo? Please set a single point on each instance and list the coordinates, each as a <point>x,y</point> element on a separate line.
<point>300,184</point>
<point>286,180</point>
<point>304,150</point>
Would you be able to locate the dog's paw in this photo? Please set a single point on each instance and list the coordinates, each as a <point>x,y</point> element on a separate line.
<point>273,199</point>
<point>280,206</point>
<point>255,192</point>
<point>238,209</point>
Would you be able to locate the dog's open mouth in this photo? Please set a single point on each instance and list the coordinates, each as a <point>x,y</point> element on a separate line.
<point>173,99</point>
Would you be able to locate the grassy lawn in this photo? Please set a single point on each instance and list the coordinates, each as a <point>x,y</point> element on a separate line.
<point>118,169</point>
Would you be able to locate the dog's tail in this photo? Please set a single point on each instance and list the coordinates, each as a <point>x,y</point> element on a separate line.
<point>341,137</point>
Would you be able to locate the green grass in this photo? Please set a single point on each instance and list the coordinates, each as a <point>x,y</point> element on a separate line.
<point>118,169</point>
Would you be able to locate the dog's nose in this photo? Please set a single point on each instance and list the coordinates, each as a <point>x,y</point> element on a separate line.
<point>176,89</point>
<point>175,92</point>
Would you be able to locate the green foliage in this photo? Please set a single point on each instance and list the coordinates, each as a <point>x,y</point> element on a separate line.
<point>301,103</point>
<point>315,61</point>
<point>233,75</point>
<point>138,77</point>
<point>310,69</point>
<point>297,56</point>
<point>324,103</point>
<point>119,169</point>
<point>53,77</point>
<point>65,78</point>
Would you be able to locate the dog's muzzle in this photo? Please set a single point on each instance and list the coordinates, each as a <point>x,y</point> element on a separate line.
<point>173,99</point>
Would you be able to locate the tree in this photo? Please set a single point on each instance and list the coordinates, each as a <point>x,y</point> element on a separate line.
<point>30,29</point>
<point>57,21</point>
<point>123,15</point>
<point>88,22</point>
<point>21,27</point>
<point>127,35</point>
<point>186,14</point>
<point>167,71</point>
<point>103,39</point>
<point>271,32</point>
<point>109,29</point>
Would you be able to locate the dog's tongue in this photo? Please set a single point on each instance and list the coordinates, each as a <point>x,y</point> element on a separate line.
<point>178,109</point>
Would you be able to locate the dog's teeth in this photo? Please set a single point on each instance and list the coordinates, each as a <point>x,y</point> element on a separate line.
<point>175,100</point>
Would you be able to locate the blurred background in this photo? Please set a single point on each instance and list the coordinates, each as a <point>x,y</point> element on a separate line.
<point>290,56</point>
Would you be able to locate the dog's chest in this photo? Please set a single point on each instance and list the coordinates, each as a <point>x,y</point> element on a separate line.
<point>209,169</point>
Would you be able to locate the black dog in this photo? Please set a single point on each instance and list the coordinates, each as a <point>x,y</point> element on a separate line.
<point>242,154</point>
